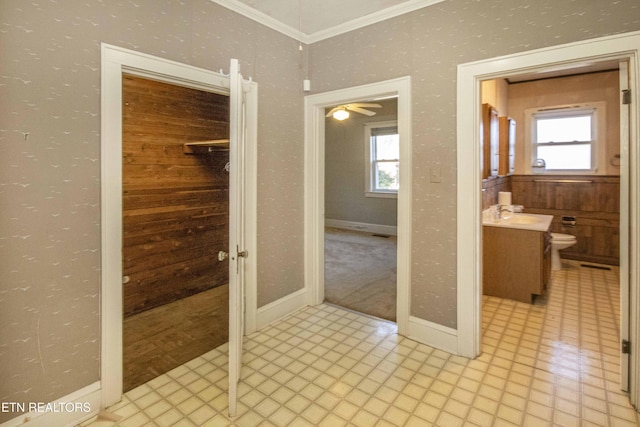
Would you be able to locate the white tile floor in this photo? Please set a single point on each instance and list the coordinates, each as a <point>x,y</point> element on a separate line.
<point>551,363</point>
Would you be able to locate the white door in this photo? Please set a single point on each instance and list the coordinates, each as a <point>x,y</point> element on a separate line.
<point>241,123</point>
<point>624,226</point>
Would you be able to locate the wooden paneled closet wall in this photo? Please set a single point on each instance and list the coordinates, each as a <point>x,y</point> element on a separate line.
<point>175,206</point>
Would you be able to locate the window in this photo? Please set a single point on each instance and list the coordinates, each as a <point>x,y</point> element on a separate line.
<point>565,139</point>
<point>382,148</point>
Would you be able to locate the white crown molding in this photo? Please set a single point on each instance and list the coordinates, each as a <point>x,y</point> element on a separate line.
<point>372,18</point>
<point>263,18</point>
<point>363,21</point>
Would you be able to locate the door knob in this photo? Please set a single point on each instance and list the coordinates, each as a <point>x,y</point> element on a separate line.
<point>222,255</point>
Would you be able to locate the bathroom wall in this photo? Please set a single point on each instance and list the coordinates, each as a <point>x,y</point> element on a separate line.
<point>428,45</point>
<point>593,87</point>
<point>594,202</point>
<point>492,186</point>
<point>513,99</point>
<point>494,92</point>
<point>345,170</point>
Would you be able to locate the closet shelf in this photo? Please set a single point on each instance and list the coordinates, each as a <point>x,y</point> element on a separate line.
<point>202,147</point>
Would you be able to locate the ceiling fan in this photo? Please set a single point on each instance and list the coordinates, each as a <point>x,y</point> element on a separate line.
<point>341,112</point>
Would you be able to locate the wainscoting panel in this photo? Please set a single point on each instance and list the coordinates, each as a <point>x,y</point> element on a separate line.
<point>594,202</point>
<point>492,186</point>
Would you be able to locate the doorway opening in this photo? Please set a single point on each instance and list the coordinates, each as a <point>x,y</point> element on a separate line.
<point>361,184</point>
<point>117,62</point>
<point>175,220</point>
<point>315,215</point>
<point>517,260</point>
<point>621,48</point>
<point>590,207</point>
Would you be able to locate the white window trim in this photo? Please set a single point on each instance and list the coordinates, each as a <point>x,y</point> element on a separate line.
<point>368,176</point>
<point>599,147</point>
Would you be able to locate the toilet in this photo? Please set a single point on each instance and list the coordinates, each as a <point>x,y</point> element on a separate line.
<point>559,241</point>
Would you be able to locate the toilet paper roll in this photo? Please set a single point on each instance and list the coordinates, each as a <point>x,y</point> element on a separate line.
<point>504,198</point>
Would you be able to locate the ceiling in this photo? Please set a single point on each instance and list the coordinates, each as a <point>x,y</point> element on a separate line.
<point>310,21</point>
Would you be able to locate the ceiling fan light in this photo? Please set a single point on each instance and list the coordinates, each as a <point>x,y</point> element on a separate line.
<point>341,114</point>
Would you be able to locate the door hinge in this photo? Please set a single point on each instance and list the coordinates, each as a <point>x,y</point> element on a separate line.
<point>626,96</point>
<point>626,347</point>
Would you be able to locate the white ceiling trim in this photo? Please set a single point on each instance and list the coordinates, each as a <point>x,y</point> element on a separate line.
<point>372,18</point>
<point>263,19</point>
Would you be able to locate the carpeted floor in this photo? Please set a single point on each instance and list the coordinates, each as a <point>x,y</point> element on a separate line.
<point>360,272</point>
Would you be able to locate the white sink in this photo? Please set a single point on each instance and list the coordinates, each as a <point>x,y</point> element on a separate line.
<point>520,219</point>
<point>533,222</point>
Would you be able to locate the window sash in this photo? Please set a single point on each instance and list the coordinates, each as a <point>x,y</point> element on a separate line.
<point>384,130</point>
<point>567,157</point>
<point>395,184</point>
<point>570,119</point>
<point>379,156</point>
<point>556,164</point>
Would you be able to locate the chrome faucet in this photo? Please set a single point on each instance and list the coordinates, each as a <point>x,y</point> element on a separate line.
<point>539,164</point>
<point>505,208</point>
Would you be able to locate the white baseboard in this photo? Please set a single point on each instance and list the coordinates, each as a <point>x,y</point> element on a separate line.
<point>433,335</point>
<point>280,308</point>
<point>390,230</point>
<point>69,410</point>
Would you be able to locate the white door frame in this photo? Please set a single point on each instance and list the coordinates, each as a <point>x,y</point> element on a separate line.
<point>314,187</point>
<point>625,116</point>
<point>469,202</point>
<point>115,61</point>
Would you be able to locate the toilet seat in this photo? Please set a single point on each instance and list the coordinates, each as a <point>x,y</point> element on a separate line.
<point>561,237</point>
<point>560,241</point>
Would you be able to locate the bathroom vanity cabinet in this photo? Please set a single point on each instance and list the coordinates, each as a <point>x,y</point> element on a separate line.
<point>516,262</point>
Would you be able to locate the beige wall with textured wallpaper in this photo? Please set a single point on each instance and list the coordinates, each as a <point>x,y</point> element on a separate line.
<point>428,44</point>
<point>50,140</point>
<point>50,178</point>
